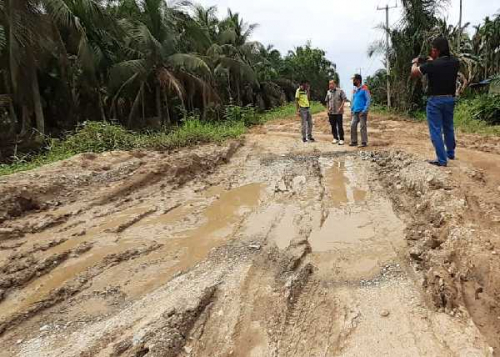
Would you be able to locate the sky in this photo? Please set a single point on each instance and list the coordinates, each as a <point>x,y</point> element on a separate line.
<point>344,29</point>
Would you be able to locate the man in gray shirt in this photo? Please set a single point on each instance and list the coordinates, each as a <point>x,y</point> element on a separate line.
<point>335,101</point>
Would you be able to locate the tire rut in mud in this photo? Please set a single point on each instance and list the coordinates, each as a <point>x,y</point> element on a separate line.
<point>250,297</point>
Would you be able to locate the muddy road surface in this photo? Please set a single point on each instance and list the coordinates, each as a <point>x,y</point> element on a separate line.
<point>264,247</point>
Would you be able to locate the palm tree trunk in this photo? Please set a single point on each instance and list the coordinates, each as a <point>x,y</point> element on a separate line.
<point>25,121</point>
<point>238,93</point>
<point>101,106</point>
<point>135,107</point>
<point>158,102</point>
<point>12,111</point>
<point>167,110</point>
<point>13,119</point>
<point>37,102</point>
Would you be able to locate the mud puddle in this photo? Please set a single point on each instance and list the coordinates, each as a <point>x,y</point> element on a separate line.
<point>184,249</point>
<point>339,187</point>
<point>360,233</point>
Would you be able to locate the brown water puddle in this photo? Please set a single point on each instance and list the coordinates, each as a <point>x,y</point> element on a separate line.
<point>192,246</point>
<point>339,187</point>
<point>341,229</point>
<point>40,288</point>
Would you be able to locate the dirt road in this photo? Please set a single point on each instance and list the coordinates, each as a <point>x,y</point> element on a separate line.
<point>266,247</point>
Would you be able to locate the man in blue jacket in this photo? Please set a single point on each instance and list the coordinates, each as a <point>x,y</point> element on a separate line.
<point>361,100</point>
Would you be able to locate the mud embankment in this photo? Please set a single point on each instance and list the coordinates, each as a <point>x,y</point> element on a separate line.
<point>64,182</point>
<point>454,243</point>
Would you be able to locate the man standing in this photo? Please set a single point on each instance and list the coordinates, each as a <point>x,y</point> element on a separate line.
<point>442,71</point>
<point>303,110</point>
<point>360,105</point>
<point>335,101</point>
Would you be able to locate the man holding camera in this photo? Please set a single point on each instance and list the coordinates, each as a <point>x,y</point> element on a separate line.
<point>442,72</point>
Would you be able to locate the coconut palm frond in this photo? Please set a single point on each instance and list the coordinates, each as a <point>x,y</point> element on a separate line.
<point>190,63</point>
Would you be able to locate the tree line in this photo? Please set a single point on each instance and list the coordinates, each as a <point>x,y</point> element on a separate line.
<point>137,62</point>
<point>479,52</point>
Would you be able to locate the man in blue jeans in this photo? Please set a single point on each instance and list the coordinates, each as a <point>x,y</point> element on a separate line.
<point>442,71</point>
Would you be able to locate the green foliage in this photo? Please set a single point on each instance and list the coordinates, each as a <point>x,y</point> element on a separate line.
<point>288,111</point>
<point>469,117</point>
<point>310,64</point>
<point>247,114</point>
<point>192,132</point>
<point>486,108</point>
<point>139,62</point>
<point>98,137</point>
<point>479,54</point>
<point>102,136</point>
<point>378,86</point>
<point>479,115</point>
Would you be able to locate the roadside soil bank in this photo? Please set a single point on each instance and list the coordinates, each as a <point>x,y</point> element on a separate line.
<point>269,247</point>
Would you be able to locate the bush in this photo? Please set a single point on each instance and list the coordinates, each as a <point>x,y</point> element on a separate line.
<point>192,132</point>
<point>98,137</point>
<point>101,136</point>
<point>247,115</point>
<point>485,108</point>
<point>476,116</point>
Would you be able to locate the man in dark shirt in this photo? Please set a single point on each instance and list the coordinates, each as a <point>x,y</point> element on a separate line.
<point>442,71</point>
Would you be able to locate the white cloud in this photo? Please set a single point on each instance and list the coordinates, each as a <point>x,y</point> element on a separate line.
<point>343,28</point>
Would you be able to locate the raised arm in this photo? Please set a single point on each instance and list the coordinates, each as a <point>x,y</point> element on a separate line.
<point>415,71</point>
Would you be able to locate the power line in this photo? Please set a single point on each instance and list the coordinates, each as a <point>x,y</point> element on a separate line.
<point>387,8</point>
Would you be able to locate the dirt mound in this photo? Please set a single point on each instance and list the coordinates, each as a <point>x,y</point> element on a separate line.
<point>64,182</point>
<point>455,251</point>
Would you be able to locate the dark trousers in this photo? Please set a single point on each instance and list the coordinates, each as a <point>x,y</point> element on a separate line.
<point>336,121</point>
<point>440,119</point>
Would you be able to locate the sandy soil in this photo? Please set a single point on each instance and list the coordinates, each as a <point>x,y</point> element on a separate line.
<point>266,247</point>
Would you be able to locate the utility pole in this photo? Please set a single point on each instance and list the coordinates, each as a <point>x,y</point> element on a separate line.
<point>387,8</point>
<point>459,28</point>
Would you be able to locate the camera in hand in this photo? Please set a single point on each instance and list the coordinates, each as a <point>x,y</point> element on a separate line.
<point>421,60</point>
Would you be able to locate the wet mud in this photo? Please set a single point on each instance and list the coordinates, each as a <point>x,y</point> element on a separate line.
<point>272,248</point>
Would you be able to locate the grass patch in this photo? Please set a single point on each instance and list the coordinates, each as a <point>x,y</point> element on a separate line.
<point>466,118</point>
<point>289,111</point>
<point>100,137</point>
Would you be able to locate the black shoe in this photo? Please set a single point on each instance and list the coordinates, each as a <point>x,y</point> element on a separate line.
<point>304,140</point>
<point>312,139</point>
<point>451,158</point>
<point>363,145</point>
<point>353,144</point>
<point>436,163</point>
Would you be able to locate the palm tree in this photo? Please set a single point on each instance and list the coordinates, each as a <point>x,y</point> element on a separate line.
<point>22,24</point>
<point>32,31</point>
<point>151,45</point>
